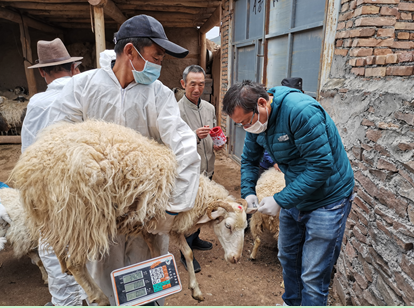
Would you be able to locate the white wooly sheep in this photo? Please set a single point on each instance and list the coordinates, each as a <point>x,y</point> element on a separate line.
<point>82,184</point>
<point>269,183</point>
<point>17,234</point>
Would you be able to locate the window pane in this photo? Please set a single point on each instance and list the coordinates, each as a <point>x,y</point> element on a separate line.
<point>246,59</point>
<point>306,57</point>
<point>256,21</point>
<point>280,15</point>
<point>277,61</point>
<point>240,17</point>
<point>309,11</point>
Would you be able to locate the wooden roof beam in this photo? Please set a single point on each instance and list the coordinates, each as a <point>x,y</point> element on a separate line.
<point>15,17</point>
<point>110,9</point>
<point>51,6</point>
<point>213,21</point>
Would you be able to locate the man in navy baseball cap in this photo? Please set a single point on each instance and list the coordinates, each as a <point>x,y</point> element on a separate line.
<point>144,26</point>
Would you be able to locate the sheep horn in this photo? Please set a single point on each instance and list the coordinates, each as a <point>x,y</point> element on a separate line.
<point>215,205</point>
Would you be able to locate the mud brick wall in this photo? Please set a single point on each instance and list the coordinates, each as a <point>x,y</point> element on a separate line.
<point>224,33</point>
<point>370,96</point>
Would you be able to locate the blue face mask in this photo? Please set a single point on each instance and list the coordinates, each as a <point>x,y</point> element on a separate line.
<point>149,74</point>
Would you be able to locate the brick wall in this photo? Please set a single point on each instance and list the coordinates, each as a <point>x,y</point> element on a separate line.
<point>224,32</point>
<point>370,97</point>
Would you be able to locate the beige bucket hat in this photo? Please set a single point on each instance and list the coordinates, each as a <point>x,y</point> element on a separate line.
<point>53,53</point>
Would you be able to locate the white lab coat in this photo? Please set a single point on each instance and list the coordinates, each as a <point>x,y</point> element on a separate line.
<point>149,109</point>
<point>34,120</point>
<point>63,288</point>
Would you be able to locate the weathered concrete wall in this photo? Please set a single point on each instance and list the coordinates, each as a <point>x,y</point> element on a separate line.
<point>370,97</point>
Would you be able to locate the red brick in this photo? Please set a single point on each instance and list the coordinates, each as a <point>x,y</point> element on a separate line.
<point>342,34</point>
<point>345,16</point>
<point>387,32</point>
<point>388,11</point>
<point>370,42</point>
<point>382,51</point>
<point>375,72</point>
<point>375,21</point>
<point>389,199</point>
<point>339,43</point>
<point>406,16</point>
<point>366,183</point>
<point>353,5</point>
<point>345,7</point>
<point>405,57</point>
<point>404,25</point>
<point>385,165</point>
<point>362,32</point>
<point>392,59</point>
<point>352,62</point>
<point>341,25</point>
<point>403,45</point>
<point>361,52</point>
<point>378,1</point>
<point>370,60</point>
<point>399,70</point>
<point>341,52</point>
<point>359,71</point>
<point>405,175</point>
<point>366,10</point>
<point>347,43</point>
<point>361,62</point>
<point>403,36</point>
<point>371,134</point>
<point>349,24</point>
<point>406,146</point>
<point>381,60</point>
<point>367,122</point>
<point>406,117</point>
<point>403,6</point>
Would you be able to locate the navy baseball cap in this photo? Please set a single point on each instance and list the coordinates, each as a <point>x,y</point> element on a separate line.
<point>149,27</point>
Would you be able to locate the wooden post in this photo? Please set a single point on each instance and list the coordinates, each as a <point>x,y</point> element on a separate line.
<point>27,54</point>
<point>203,50</point>
<point>99,31</point>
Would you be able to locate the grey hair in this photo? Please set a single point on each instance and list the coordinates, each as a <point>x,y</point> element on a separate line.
<point>193,69</point>
<point>245,95</point>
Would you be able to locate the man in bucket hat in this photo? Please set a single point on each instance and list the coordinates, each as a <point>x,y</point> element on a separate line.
<point>125,90</point>
<point>57,67</point>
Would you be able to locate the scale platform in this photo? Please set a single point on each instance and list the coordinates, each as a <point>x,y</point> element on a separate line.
<point>147,281</point>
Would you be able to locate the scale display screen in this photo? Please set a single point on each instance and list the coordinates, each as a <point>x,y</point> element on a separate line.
<point>135,285</point>
<point>133,276</point>
<point>146,281</point>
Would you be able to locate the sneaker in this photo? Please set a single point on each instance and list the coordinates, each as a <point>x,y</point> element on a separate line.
<point>201,245</point>
<point>49,304</point>
<point>196,265</point>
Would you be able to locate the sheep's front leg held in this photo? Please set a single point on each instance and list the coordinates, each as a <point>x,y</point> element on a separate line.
<point>192,281</point>
<point>36,259</point>
<point>81,275</point>
<point>255,248</point>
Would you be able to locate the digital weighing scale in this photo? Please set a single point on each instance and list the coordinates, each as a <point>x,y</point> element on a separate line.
<point>146,281</point>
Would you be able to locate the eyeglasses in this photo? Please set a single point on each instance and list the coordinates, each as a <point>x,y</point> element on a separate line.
<point>251,120</point>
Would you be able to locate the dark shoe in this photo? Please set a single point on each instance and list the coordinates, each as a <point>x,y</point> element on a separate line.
<point>196,265</point>
<point>49,304</point>
<point>201,245</point>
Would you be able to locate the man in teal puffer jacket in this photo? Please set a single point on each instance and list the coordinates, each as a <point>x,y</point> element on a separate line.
<point>302,139</point>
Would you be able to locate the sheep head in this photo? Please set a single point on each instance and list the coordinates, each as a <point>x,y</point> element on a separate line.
<point>229,221</point>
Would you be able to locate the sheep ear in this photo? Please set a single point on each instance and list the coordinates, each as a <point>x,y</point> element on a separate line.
<point>214,214</point>
<point>242,202</point>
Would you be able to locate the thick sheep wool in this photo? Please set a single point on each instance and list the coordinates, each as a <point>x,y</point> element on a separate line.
<point>82,184</point>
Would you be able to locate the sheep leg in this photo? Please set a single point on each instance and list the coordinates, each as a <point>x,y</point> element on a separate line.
<point>36,260</point>
<point>84,279</point>
<point>255,248</point>
<point>192,281</point>
<point>150,241</point>
<point>63,265</point>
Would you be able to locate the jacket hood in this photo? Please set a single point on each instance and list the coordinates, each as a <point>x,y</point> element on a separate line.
<point>105,58</point>
<point>58,83</point>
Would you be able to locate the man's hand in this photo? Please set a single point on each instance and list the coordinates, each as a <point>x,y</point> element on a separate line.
<point>269,206</point>
<point>252,204</point>
<point>3,214</point>
<point>277,167</point>
<point>202,132</point>
<point>164,226</point>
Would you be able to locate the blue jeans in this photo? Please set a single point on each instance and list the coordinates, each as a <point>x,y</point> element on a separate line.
<point>309,245</point>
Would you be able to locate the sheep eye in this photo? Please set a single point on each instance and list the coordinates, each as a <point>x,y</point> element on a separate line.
<point>227,225</point>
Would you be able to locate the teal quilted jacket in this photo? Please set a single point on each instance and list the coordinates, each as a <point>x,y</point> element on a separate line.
<point>304,141</point>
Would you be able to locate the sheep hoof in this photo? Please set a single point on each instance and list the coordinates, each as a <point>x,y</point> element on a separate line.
<point>103,301</point>
<point>197,295</point>
<point>252,257</point>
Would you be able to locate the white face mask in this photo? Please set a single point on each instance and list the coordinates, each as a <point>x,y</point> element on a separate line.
<point>258,127</point>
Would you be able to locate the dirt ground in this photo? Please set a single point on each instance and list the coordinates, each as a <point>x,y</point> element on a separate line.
<point>248,283</point>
